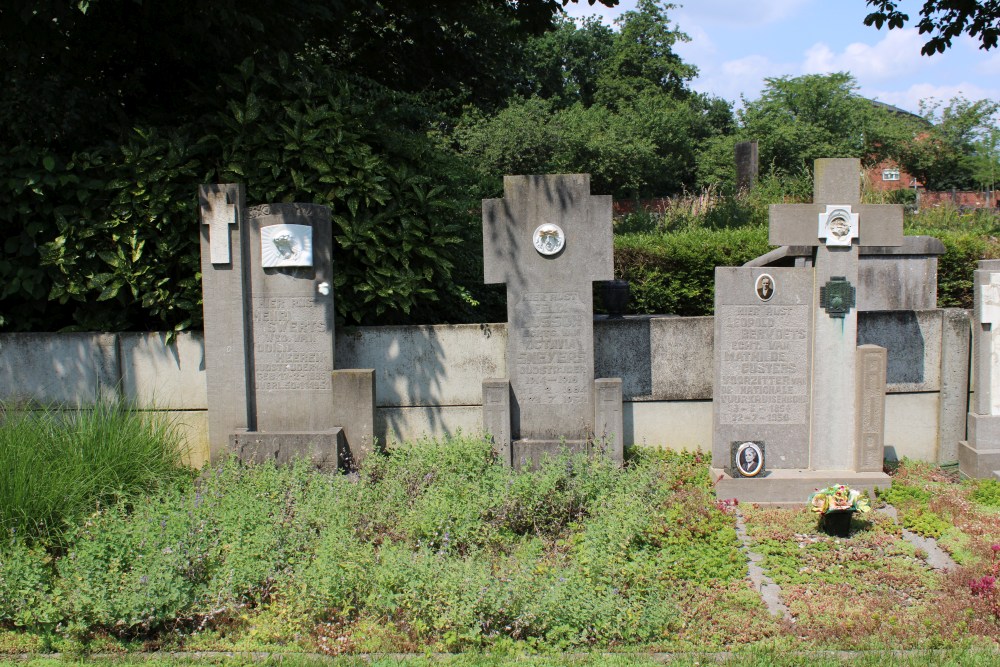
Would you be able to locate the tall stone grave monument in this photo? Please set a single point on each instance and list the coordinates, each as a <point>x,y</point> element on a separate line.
<point>548,240</point>
<point>791,384</point>
<point>979,456</point>
<point>267,272</point>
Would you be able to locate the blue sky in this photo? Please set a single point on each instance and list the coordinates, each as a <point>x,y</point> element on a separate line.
<point>736,44</point>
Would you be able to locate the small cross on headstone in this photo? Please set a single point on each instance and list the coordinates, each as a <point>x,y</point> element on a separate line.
<point>549,239</point>
<point>218,213</point>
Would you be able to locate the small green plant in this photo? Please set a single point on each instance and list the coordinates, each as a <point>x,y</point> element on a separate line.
<point>926,523</point>
<point>987,492</point>
<point>899,494</point>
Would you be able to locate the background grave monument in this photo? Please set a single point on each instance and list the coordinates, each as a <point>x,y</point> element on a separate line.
<point>979,456</point>
<point>788,370</point>
<point>548,240</point>
<point>267,273</point>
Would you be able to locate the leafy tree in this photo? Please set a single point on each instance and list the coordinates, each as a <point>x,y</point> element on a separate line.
<point>614,105</point>
<point>563,65</point>
<point>956,149</point>
<point>643,59</point>
<point>943,20</point>
<point>797,120</point>
<point>76,72</point>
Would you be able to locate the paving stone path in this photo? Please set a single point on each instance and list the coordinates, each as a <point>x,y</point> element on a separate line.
<point>769,591</point>
<point>937,557</point>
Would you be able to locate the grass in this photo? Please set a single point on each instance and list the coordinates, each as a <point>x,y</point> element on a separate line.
<point>58,466</point>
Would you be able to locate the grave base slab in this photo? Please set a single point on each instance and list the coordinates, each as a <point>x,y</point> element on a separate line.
<point>978,463</point>
<point>319,447</point>
<point>529,454</point>
<point>792,487</point>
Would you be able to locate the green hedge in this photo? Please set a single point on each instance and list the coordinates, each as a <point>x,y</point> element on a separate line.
<point>675,273</point>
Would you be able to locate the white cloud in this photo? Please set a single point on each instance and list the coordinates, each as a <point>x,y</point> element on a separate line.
<point>743,76</point>
<point>895,55</point>
<point>909,99</point>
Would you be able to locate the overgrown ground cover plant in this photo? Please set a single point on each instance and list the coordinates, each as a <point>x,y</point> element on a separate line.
<point>432,545</point>
<point>965,518</point>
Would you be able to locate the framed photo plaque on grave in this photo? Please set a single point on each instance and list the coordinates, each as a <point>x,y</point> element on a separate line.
<point>747,458</point>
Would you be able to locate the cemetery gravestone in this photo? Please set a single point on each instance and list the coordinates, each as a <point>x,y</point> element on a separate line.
<point>786,350</point>
<point>267,273</point>
<point>979,456</point>
<point>548,240</point>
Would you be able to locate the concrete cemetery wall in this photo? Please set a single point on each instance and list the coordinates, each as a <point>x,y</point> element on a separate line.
<point>429,378</point>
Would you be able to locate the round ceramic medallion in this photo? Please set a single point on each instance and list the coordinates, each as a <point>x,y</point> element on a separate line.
<point>549,238</point>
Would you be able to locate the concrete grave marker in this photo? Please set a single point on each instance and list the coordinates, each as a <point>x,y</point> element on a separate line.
<point>979,456</point>
<point>548,240</point>
<point>821,374</point>
<point>269,331</point>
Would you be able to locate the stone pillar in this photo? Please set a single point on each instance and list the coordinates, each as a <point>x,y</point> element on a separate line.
<point>870,438</point>
<point>609,420</point>
<point>354,411</point>
<point>496,417</point>
<point>954,405</point>
<point>980,455</point>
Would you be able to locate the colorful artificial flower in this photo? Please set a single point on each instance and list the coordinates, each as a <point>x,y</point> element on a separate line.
<point>838,498</point>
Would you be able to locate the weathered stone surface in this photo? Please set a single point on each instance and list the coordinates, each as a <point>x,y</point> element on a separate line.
<point>528,454</point>
<point>870,438</point>
<point>228,386</point>
<point>292,326</point>
<point>677,425</point>
<point>792,487</point>
<point>354,410</point>
<point>550,362</point>
<point>496,416</point>
<point>787,226</point>
<point>443,364</point>
<point>954,365</point>
<point>978,463</point>
<point>623,348</point>
<point>913,342</point>
<point>413,423</point>
<point>609,429</point>
<point>746,164</point>
<point>981,453</point>
<point>762,364</point>
<point>71,369</point>
<point>157,375</point>
<point>319,447</point>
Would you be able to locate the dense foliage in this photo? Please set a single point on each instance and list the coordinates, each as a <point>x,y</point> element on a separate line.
<point>399,117</point>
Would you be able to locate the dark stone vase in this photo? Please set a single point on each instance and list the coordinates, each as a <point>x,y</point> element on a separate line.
<point>615,295</point>
<point>837,522</point>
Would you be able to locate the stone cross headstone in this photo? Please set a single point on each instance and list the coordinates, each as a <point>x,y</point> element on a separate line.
<point>837,224</point>
<point>267,275</point>
<point>787,369</point>
<point>979,456</point>
<point>548,240</point>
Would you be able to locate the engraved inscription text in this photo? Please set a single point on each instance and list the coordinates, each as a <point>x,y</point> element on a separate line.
<point>764,353</point>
